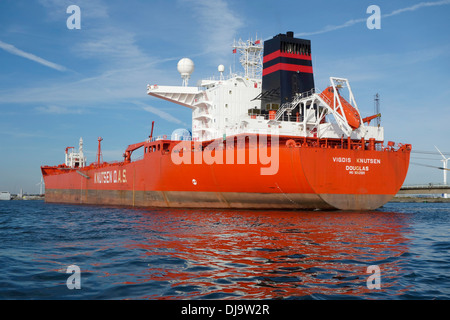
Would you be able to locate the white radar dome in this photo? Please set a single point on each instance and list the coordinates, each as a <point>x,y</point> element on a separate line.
<point>185,66</point>
<point>221,68</point>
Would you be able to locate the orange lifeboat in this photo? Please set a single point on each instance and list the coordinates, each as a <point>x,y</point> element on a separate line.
<point>351,114</point>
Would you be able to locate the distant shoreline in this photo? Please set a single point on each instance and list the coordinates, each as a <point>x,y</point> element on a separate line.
<point>28,197</point>
<point>420,199</point>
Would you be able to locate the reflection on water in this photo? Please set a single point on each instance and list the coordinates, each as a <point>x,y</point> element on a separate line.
<point>126,253</point>
<point>267,255</point>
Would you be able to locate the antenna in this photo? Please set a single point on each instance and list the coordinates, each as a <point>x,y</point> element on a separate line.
<point>251,56</point>
<point>377,108</point>
<point>82,158</point>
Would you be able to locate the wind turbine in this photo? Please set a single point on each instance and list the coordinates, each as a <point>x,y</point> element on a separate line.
<point>40,184</point>
<point>444,162</point>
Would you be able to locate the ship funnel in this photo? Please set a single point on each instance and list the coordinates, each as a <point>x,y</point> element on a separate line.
<point>287,68</point>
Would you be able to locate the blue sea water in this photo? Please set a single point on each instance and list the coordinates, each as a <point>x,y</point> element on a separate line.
<point>173,254</point>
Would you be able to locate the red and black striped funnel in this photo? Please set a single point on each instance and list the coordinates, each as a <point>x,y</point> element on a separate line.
<point>287,68</point>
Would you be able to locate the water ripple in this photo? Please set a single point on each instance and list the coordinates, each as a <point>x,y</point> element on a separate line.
<point>126,253</point>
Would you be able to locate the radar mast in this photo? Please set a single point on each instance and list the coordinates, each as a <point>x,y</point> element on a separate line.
<point>250,56</point>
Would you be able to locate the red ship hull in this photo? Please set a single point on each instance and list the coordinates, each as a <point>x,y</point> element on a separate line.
<point>310,174</point>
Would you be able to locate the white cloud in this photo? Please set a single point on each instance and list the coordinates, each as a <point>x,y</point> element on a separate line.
<point>19,133</point>
<point>117,82</point>
<point>162,114</point>
<point>352,22</point>
<point>218,24</point>
<point>12,49</point>
<point>54,109</point>
<point>332,28</point>
<point>56,9</point>
<point>417,6</point>
<point>122,69</point>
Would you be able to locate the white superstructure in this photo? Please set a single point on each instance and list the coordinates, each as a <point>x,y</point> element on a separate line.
<point>75,159</point>
<point>223,107</point>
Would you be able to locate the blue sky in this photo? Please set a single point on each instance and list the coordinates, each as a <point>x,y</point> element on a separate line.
<point>57,84</point>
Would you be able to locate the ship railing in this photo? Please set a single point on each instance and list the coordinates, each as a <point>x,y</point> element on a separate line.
<point>224,77</point>
<point>305,94</point>
<point>281,112</point>
<point>288,106</point>
<point>169,137</point>
<point>284,117</point>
